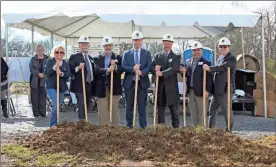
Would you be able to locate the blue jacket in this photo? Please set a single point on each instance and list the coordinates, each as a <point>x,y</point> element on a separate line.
<point>51,76</point>
<point>128,64</point>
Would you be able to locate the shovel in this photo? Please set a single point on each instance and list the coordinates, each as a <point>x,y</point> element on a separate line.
<point>204,98</point>
<point>111,96</point>
<point>57,95</point>
<point>155,100</point>
<point>135,100</point>
<point>84,94</point>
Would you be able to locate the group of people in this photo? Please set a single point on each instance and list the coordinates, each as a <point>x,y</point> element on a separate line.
<point>216,83</point>
<point>135,62</point>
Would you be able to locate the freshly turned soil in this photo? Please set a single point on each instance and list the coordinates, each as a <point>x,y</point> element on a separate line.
<point>160,145</point>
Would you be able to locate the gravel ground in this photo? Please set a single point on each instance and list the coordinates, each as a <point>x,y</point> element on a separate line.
<point>24,123</point>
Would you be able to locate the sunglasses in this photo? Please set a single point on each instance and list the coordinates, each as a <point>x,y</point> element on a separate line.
<point>223,47</point>
<point>56,52</point>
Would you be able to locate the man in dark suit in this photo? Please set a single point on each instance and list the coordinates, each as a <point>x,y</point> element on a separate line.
<point>219,91</point>
<point>195,83</point>
<point>136,61</point>
<point>78,62</point>
<point>106,63</point>
<point>165,65</point>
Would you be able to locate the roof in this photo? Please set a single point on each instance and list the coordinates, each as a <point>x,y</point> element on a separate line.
<point>119,19</point>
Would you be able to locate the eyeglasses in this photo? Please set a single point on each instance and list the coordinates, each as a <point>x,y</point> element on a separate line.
<point>56,52</point>
<point>223,47</point>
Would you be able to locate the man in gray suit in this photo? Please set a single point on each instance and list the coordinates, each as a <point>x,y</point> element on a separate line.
<point>219,90</point>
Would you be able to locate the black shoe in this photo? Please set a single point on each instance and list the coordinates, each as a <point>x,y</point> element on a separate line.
<point>4,105</point>
<point>43,115</point>
<point>5,115</point>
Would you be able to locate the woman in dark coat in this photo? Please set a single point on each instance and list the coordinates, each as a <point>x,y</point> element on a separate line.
<point>37,82</point>
<point>56,66</point>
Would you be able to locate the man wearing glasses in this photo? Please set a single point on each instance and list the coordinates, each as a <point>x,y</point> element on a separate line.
<point>219,91</point>
<point>195,83</point>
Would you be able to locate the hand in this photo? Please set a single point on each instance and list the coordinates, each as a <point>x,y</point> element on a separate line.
<point>159,73</point>
<point>206,67</point>
<point>111,68</point>
<point>81,66</point>
<point>138,72</point>
<point>112,62</point>
<point>182,69</point>
<point>206,94</point>
<point>136,67</point>
<point>58,72</point>
<point>157,68</point>
<point>41,75</point>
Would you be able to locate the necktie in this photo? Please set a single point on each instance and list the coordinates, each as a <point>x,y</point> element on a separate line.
<point>136,57</point>
<point>89,73</point>
<point>166,58</point>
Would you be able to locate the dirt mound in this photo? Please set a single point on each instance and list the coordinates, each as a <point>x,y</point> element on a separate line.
<point>163,145</point>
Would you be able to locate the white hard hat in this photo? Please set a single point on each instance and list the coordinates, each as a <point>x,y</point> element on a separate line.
<point>224,41</point>
<point>137,35</point>
<point>107,40</point>
<point>196,45</point>
<point>84,39</point>
<point>168,37</point>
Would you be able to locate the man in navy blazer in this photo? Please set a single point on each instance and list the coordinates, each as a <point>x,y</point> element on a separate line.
<point>136,61</point>
<point>194,83</point>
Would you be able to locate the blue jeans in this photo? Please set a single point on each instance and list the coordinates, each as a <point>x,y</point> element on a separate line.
<point>52,93</point>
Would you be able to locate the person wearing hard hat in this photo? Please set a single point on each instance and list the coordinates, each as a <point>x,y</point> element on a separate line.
<point>106,63</point>
<point>219,99</point>
<point>78,62</point>
<point>165,65</point>
<point>136,61</point>
<point>195,83</point>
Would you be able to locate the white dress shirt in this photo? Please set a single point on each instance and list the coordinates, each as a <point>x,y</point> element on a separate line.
<point>90,65</point>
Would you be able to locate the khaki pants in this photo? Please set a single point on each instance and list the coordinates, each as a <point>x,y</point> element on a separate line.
<point>196,108</point>
<point>104,112</point>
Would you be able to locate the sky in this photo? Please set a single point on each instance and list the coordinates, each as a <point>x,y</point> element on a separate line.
<point>44,6</point>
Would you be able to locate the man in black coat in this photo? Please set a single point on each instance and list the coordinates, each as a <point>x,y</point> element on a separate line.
<point>78,62</point>
<point>106,63</point>
<point>165,65</point>
<point>195,83</point>
<point>4,87</point>
<point>219,90</point>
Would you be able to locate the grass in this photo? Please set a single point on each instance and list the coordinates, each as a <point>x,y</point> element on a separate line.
<point>26,157</point>
<point>23,156</point>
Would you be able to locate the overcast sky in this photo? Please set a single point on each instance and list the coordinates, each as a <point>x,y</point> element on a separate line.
<point>39,7</point>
